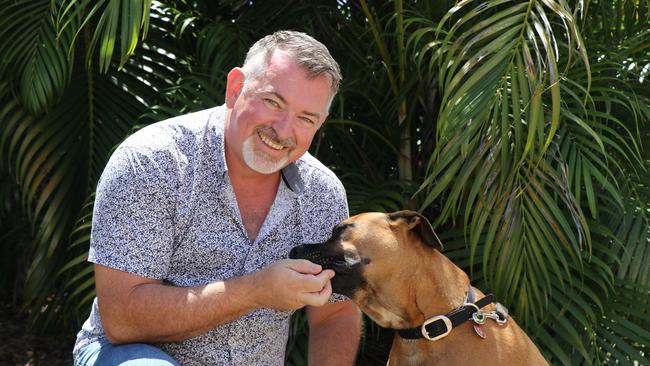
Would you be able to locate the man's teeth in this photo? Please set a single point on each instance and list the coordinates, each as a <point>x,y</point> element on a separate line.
<point>269,142</point>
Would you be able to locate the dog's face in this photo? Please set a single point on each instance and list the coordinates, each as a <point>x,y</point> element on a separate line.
<point>372,255</point>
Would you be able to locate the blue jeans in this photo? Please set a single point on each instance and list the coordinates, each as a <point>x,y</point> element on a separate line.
<point>103,352</point>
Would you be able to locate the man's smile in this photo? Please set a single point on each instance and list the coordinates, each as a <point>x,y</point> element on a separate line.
<point>269,141</point>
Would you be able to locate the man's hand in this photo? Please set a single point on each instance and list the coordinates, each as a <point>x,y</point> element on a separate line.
<point>291,284</point>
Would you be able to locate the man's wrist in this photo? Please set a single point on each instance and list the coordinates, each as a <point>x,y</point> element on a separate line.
<point>251,290</point>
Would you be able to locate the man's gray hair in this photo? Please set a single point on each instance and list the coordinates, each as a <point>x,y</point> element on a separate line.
<point>310,55</point>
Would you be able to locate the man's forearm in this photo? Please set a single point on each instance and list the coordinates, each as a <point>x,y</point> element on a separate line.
<point>160,313</point>
<point>334,340</point>
<point>138,309</point>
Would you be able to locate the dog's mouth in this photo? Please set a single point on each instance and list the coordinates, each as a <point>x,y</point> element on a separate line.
<point>348,273</point>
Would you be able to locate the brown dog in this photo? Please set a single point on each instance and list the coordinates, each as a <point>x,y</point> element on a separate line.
<point>390,265</point>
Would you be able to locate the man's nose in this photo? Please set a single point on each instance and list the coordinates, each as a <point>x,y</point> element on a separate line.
<point>282,126</point>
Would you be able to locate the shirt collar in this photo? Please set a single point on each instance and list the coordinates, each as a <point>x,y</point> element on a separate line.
<point>291,176</point>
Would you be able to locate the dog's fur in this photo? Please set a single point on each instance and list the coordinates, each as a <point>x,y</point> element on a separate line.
<point>391,266</point>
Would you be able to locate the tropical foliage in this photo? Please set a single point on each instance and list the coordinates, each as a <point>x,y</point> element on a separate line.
<point>518,127</point>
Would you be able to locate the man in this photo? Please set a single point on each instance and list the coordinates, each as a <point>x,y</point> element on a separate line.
<point>194,217</point>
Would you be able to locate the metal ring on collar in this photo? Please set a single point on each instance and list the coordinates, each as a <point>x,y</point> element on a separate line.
<point>478,317</point>
<point>472,305</point>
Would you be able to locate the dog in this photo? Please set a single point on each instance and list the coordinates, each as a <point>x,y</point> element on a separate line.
<point>392,267</point>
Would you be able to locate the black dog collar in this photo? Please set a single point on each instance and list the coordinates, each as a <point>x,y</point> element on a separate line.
<point>439,326</point>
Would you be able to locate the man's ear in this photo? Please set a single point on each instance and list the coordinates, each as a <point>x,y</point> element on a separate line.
<point>234,86</point>
<point>419,225</point>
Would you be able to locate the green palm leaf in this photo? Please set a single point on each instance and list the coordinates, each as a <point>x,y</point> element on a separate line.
<point>500,111</point>
<point>34,57</point>
<point>121,22</point>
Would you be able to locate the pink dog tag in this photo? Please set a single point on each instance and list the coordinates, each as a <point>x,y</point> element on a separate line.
<point>479,330</point>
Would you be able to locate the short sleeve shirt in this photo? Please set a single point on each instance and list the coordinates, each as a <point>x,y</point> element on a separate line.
<point>165,209</point>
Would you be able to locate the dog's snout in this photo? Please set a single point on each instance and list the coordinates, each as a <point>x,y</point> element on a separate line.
<point>306,251</point>
<point>348,277</point>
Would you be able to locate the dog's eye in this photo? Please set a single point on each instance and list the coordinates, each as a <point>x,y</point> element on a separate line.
<point>338,229</point>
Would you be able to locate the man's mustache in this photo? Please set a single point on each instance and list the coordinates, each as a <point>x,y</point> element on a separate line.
<point>270,133</point>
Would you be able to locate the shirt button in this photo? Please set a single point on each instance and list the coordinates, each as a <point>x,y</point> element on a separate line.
<point>231,342</point>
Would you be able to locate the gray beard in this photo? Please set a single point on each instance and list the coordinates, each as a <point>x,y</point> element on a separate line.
<point>259,161</point>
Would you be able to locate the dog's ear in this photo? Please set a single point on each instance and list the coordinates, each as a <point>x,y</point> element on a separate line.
<point>420,225</point>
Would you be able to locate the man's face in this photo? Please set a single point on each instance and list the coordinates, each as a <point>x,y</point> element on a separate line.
<point>275,117</point>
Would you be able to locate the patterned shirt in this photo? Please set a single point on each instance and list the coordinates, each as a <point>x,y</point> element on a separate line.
<point>165,209</point>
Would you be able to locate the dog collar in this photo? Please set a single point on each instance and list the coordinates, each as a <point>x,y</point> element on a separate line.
<point>441,325</point>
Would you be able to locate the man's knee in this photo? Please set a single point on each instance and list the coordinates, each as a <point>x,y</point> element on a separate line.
<point>134,354</point>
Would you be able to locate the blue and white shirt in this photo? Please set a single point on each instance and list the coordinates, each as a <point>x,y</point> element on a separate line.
<point>165,209</point>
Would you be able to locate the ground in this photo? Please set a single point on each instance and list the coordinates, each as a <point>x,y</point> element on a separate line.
<point>19,347</point>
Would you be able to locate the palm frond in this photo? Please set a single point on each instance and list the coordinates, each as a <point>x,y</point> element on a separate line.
<point>622,334</point>
<point>34,58</point>
<point>498,70</point>
<point>121,22</point>
<point>633,230</point>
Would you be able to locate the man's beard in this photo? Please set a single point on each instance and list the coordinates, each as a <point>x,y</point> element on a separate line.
<point>259,160</point>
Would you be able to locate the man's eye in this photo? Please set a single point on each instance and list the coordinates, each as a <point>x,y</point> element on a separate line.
<point>272,103</point>
<point>307,120</point>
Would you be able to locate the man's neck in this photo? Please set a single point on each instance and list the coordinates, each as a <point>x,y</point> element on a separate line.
<point>253,180</point>
<point>255,193</point>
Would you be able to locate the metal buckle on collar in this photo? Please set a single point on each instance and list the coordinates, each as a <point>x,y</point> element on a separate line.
<point>442,318</point>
